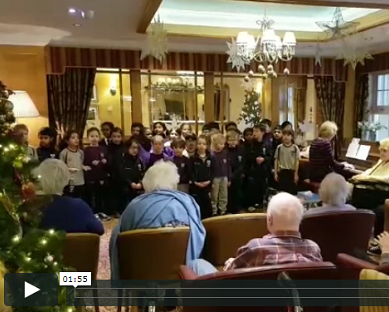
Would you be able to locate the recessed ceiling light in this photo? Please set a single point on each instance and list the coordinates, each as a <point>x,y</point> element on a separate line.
<point>72,11</point>
<point>76,25</point>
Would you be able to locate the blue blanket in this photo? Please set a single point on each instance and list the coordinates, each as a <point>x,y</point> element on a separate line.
<point>154,210</point>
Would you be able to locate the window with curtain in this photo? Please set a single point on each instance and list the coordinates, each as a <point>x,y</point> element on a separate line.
<point>287,109</point>
<point>378,111</point>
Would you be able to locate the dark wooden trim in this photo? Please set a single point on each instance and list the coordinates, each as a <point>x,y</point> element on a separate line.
<point>147,16</point>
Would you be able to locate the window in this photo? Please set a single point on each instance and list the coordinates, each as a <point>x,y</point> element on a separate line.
<point>378,110</point>
<point>287,106</point>
<point>291,105</point>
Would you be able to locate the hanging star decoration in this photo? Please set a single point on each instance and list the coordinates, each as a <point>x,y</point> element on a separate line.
<point>156,41</point>
<point>352,54</point>
<point>338,27</point>
<point>318,55</point>
<point>354,57</point>
<point>234,58</point>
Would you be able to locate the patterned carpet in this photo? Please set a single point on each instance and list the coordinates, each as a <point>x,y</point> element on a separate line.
<point>104,272</point>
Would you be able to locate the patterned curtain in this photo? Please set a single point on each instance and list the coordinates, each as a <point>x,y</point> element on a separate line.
<point>361,97</point>
<point>331,96</point>
<point>69,98</point>
<point>301,94</point>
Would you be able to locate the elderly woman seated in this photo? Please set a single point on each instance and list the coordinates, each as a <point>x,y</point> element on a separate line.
<point>371,188</point>
<point>161,206</point>
<point>71,215</point>
<point>334,191</point>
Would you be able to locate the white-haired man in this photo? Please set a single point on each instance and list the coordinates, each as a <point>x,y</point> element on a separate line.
<point>283,245</point>
<point>161,206</point>
<point>333,192</point>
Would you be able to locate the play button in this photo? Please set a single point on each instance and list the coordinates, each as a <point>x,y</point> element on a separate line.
<point>29,289</point>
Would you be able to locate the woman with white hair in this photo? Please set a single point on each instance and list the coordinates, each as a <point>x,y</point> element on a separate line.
<point>371,187</point>
<point>321,154</point>
<point>334,191</point>
<point>71,215</point>
<point>161,206</point>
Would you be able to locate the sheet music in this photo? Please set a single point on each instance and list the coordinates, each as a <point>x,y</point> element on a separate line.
<point>363,152</point>
<point>352,150</point>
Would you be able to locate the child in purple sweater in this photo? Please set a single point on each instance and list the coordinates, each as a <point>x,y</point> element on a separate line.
<point>96,158</point>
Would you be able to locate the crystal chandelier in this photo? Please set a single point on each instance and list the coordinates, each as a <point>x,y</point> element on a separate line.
<point>268,48</point>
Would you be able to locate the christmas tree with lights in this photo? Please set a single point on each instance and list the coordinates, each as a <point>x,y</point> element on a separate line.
<point>251,112</point>
<point>24,247</point>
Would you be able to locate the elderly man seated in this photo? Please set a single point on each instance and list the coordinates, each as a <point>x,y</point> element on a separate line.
<point>333,192</point>
<point>283,245</point>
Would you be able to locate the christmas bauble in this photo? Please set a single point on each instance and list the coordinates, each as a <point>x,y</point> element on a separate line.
<point>251,73</point>
<point>261,69</point>
<point>246,79</point>
<point>9,106</point>
<point>9,117</point>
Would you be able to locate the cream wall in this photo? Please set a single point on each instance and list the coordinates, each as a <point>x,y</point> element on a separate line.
<point>236,95</point>
<point>108,104</point>
<point>24,68</point>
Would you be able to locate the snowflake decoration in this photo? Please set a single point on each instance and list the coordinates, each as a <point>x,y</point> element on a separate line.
<point>353,55</point>
<point>156,41</point>
<point>338,27</point>
<point>234,58</point>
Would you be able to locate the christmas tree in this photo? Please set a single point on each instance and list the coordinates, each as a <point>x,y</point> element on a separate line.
<point>24,247</point>
<point>251,112</point>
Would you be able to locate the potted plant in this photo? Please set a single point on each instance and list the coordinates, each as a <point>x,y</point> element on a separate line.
<point>369,129</point>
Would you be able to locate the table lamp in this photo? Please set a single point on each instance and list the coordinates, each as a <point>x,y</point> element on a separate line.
<point>24,107</point>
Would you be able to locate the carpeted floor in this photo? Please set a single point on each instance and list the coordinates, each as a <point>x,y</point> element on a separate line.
<point>104,266</point>
<point>104,272</point>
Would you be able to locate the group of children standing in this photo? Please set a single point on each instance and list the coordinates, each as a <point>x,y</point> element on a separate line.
<point>224,174</point>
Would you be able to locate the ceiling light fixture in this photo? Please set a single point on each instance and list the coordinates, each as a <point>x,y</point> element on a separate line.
<point>77,25</point>
<point>267,48</point>
<point>72,11</point>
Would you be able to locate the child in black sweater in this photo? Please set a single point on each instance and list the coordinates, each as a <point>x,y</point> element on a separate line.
<point>96,158</point>
<point>47,144</point>
<point>182,163</point>
<point>128,174</point>
<point>201,177</point>
<point>235,156</point>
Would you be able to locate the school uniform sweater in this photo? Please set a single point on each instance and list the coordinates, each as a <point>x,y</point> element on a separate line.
<point>99,172</point>
<point>128,169</point>
<point>74,159</point>
<point>183,166</point>
<point>220,165</point>
<point>46,153</point>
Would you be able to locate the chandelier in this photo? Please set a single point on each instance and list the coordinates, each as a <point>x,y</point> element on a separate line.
<point>268,48</point>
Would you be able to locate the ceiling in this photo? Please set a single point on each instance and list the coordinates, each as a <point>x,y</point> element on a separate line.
<point>195,26</point>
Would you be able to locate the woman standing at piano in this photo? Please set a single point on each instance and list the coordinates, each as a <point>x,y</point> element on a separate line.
<point>371,187</point>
